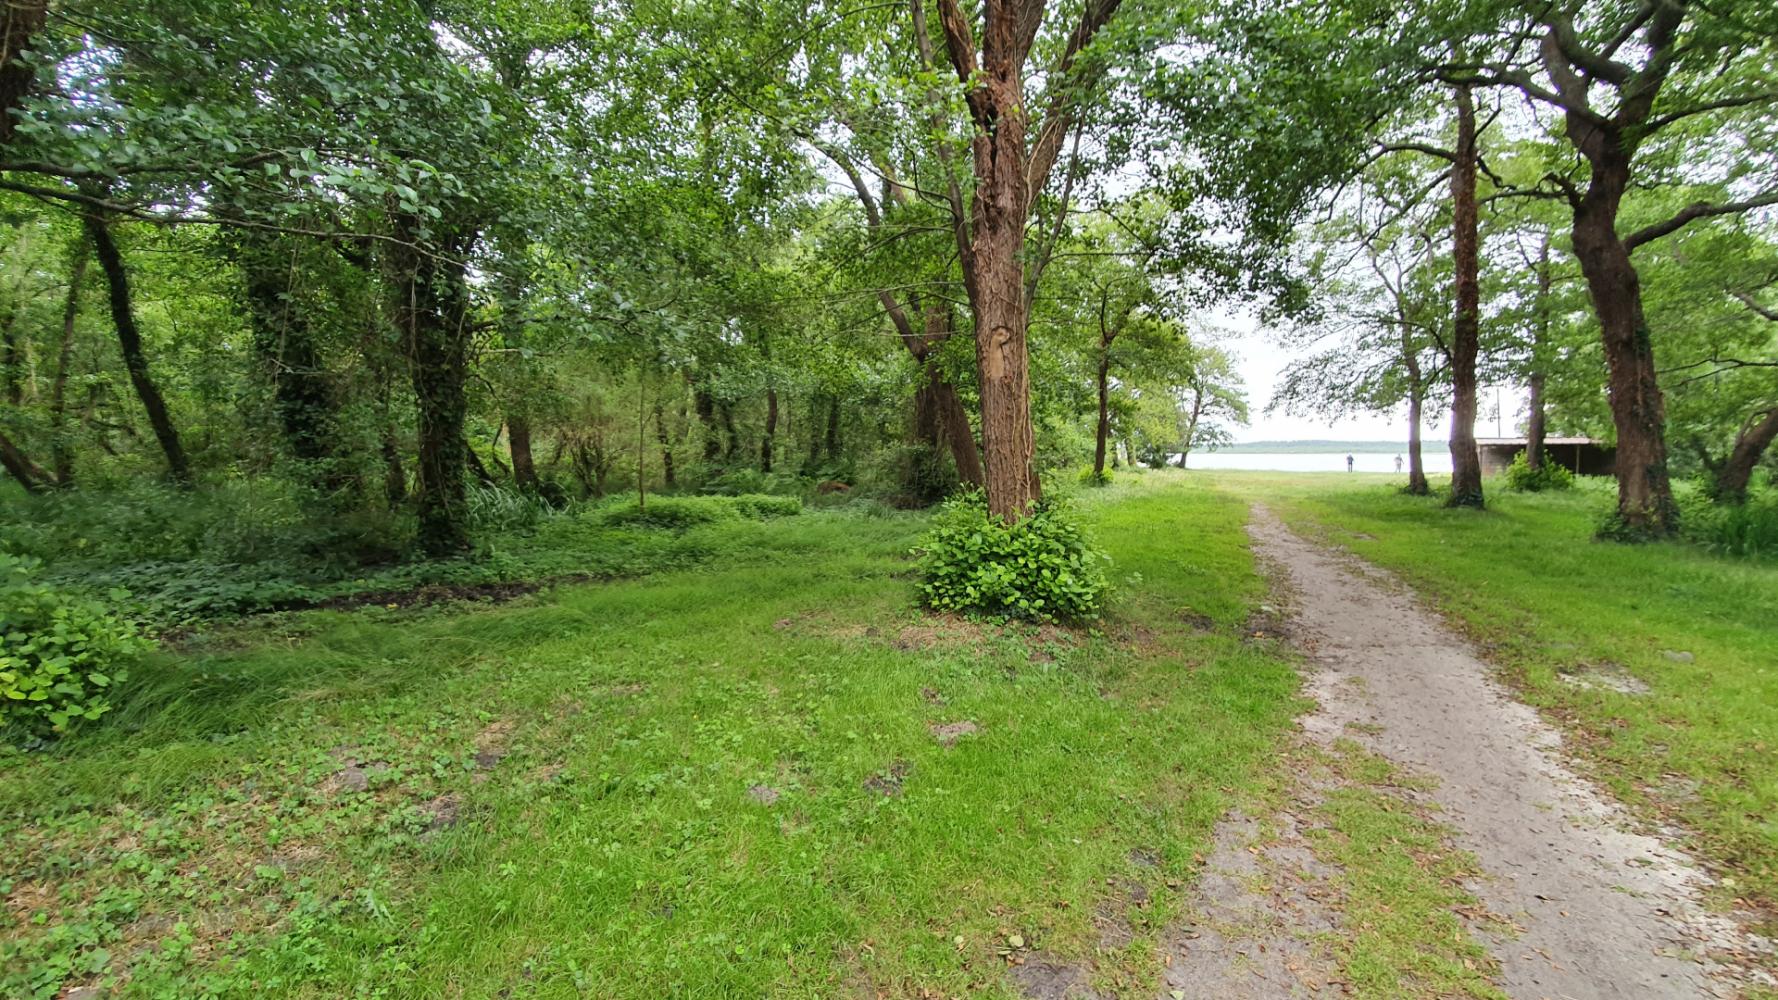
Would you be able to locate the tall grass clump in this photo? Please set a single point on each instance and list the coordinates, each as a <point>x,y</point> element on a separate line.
<point>1740,529</point>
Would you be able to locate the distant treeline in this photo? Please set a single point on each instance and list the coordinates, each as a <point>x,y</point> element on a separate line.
<point>1311,447</point>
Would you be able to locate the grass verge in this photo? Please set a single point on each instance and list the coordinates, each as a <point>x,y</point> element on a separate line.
<point>765,777</point>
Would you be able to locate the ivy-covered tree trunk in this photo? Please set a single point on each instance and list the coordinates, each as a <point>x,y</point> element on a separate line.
<point>1466,462</point>
<point>1733,474</point>
<point>129,342</point>
<point>431,304</point>
<point>303,393</point>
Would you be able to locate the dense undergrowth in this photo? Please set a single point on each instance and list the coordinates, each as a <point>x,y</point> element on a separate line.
<point>173,557</point>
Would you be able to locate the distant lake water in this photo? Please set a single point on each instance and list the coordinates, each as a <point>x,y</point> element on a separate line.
<point>1435,456</point>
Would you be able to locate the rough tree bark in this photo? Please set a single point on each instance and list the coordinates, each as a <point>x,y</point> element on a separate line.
<point>129,342</point>
<point>992,248</point>
<point>1466,463</point>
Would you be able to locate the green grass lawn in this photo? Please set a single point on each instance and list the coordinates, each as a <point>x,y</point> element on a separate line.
<point>712,782</point>
<point>1662,660</point>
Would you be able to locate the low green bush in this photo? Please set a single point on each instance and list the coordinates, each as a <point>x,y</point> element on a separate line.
<point>679,513</point>
<point>1522,477</point>
<point>1043,568</point>
<point>1749,528</point>
<point>61,655</point>
<point>1088,477</point>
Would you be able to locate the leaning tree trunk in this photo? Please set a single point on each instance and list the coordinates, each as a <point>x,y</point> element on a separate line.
<point>1466,463</point>
<point>431,314</point>
<point>61,454</point>
<point>1638,411</point>
<point>518,441</point>
<point>1736,471</point>
<point>129,342</point>
<point>20,466</point>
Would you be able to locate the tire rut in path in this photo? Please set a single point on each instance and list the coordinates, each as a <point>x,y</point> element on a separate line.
<point>1603,912</point>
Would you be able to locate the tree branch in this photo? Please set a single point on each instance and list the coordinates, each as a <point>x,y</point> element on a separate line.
<point>1692,213</point>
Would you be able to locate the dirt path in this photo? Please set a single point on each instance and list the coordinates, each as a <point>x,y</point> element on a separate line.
<point>1603,912</point>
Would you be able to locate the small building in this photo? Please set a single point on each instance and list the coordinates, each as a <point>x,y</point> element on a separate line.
<point>1582,456</point>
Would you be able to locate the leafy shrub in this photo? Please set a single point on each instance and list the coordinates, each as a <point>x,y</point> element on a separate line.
<point>1088,477</point>
<point>1743,529</point>
<point>763,507</point>
<point>1041,568</point>
<point>1522,477</point>
<point>60,655</point>
<point>680,513</point>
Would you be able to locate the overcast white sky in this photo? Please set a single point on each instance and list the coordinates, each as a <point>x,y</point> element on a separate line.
<point>1262,362</point>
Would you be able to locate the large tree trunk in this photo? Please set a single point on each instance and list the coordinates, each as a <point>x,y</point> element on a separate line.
<point>1466,463</point>
<point>430,312</point>
<point>1750,446</point>
<point>61,452</point>
<point>129,342</point>
<point>1001,319</point>
<point>1645,494</point>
